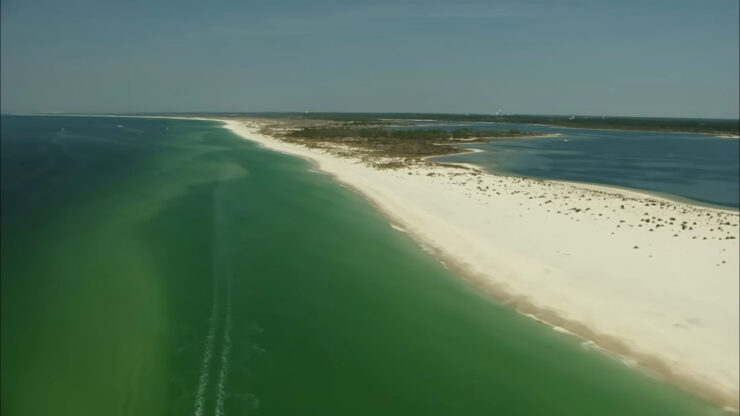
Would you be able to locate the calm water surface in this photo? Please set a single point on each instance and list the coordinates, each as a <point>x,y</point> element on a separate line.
<point>167,267</point>
<point>697,167</point>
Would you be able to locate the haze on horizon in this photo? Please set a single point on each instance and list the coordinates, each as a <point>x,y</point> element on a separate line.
<point>632,58</point>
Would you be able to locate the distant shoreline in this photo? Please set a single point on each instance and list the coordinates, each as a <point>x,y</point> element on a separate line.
<point>721,135</point>
<point>719,130</point>
<point>605,187</point>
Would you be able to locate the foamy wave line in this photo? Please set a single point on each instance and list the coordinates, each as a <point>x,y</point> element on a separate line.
<point>398,228</point>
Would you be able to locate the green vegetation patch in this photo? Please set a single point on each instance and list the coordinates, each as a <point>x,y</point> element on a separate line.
<point>332,133</point>
<point>383,142</point>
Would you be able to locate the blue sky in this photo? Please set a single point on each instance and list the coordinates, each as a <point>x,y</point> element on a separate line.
<point>639,58</point>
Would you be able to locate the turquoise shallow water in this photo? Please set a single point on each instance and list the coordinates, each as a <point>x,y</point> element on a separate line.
<point>696,167</point>
<point>167,267</point>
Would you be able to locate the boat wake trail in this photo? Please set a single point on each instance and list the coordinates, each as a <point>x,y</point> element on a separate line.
<point>225,351</point>
<point>222,278</point>
<point>200,394</point>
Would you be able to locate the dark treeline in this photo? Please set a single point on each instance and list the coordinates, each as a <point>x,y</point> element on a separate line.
<point>688,125</point>
<point>383,142</point>
<point>714,126</point>
<point>329,133</point>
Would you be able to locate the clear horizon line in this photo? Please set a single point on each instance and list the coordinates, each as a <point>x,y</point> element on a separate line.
<point>362,113</point>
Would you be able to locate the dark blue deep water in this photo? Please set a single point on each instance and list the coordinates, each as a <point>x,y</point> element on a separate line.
<point>697,167</point>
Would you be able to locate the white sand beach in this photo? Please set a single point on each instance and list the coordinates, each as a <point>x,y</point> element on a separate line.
<point>652,281</point>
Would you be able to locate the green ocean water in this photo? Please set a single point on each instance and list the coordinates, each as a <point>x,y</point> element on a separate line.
<point>167,267</point>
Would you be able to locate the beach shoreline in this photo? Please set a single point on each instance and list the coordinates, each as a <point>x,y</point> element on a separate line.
<point>553,289</point>
<point>623,190</point>
<point>685,334</point>
<point>614,189</point>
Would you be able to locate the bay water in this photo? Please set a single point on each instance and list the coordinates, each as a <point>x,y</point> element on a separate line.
<point>696,168</point>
